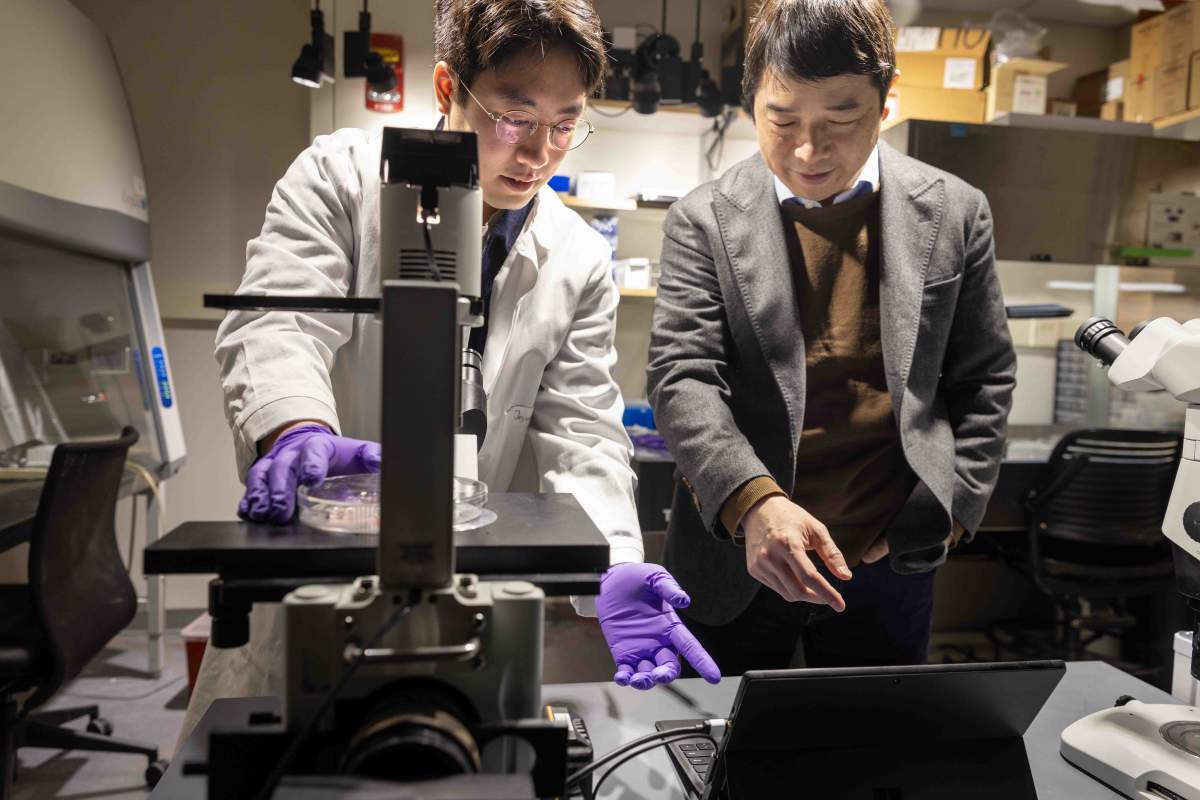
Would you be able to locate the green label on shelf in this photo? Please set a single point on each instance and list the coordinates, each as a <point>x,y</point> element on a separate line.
<point>1154,252</point>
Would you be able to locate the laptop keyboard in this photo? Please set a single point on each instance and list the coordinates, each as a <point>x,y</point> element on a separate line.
<point>698,754</point>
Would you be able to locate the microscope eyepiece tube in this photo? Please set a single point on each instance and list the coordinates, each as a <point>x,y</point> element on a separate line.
<point>1101,339</point>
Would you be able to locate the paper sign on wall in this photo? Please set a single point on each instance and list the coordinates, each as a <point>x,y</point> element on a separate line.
<point>917,40</point>
<point>960,73</point>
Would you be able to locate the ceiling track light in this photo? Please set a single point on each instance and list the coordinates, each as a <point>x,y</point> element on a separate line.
<point>362,61</point>
<point>315,64</point>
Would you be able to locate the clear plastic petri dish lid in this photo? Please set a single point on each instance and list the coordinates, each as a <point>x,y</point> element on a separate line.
<point>350,503</point>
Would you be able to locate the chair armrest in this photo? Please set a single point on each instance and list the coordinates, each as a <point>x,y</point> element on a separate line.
<point>1038,498</point>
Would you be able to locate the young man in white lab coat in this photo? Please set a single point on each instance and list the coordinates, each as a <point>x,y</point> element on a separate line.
<point>297,386</point>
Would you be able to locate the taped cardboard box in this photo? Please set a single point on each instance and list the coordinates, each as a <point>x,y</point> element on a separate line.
<point>1145,49</point>
<point>1180,34</point>
<point>1170,90</point>
<point>1019,86</point>
<point>1139,101</point>
<point>941,105</point>
<point>942,58</point>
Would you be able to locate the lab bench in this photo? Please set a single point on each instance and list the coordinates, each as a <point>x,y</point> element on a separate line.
<point>615,715</point>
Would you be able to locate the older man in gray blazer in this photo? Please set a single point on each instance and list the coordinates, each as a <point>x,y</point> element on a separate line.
<point>830,362</point>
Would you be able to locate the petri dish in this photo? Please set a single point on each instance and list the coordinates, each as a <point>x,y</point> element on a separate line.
<point>350,504</point>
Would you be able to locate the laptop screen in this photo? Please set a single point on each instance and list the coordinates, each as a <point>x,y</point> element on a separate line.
<point>872,706</point>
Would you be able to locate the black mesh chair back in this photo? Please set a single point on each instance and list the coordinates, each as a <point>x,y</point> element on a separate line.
<point>81,594</point>
<point>1097,515</point>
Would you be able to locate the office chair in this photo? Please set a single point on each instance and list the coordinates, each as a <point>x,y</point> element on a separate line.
<point>77,599</point>
<point>1095,539</point>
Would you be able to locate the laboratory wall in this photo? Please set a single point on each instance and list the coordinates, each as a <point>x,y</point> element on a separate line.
<point>216,137</point>
<point>218,122</point>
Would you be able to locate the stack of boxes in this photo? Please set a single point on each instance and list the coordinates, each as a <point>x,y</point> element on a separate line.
<point>1164,55</point>
<point>945,75</point>
<point>942,75</point>
<point>1019,86</point>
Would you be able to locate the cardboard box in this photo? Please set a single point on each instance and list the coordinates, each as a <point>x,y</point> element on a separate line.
<point>1170,95</point>
<point>1118,78</point>
<point>1058,107</point>
<point>1194,82</point>
<point>1019,86</point>
<point>942,105</point>
<point>1145,49</point>
<point>1164,40</point>
<point>1139,100</point>
<point>942,58</point>
<point>1113,110</point>
<point>1179,34</point>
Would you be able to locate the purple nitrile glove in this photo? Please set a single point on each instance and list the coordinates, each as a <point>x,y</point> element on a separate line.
<point>306,454</point>
<point>636,607</point>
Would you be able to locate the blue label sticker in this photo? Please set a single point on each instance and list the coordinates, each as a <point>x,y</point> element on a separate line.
<point>160,374</point>
<point>958,131</point>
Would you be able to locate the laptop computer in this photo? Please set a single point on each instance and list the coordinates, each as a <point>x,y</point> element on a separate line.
<point>873,733</point>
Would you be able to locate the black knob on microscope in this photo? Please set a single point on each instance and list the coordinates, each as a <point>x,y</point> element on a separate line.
<point>1191,521</point>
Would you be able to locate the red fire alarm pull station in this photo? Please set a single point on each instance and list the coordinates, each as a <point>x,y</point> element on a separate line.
<point>391,47</point>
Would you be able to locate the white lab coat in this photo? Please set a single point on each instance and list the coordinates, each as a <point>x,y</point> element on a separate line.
<point>554,410</point>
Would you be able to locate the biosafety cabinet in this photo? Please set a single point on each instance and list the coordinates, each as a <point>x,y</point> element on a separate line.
<point>82,352</point>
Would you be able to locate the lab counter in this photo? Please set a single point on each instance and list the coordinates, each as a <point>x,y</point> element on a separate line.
<point>1019,473</point>
<point>19,502</point>
<point>18,507</point>
<point>615,715</point>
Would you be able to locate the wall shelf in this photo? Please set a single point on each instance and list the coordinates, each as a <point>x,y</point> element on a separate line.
<point>679,120</point>
<point>1184,125</point>
<point>617,204</point>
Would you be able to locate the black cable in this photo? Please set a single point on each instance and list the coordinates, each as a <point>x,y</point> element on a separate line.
<point>433,267</point>
<point>132,533</point>
<point>717,148</point>
<point>285,761</point>
<point>697,22</point>
<point>664,17</point>
<point>646,749</point>
<point>698,729</point>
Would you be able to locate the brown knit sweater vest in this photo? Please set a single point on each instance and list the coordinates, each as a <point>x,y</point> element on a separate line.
<point>851,473</point>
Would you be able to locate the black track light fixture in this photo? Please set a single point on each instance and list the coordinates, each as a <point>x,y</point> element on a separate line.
<point>315,63</point>
<point>698,85</point>
<point>362,61</point>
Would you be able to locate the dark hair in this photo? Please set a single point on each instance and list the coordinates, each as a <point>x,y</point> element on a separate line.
<point>473,36</point>
<point>812,39</point>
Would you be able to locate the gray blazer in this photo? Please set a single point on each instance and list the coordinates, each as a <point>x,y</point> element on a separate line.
<point>726,368</point>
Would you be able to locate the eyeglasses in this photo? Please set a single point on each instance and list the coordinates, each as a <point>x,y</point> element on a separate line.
<point>514,127</point>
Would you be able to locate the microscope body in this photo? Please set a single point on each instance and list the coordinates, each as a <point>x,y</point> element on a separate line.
<point>415,674</point>
<point>1165,356</point>
<point>424,662</point>
<point>481,637</point>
